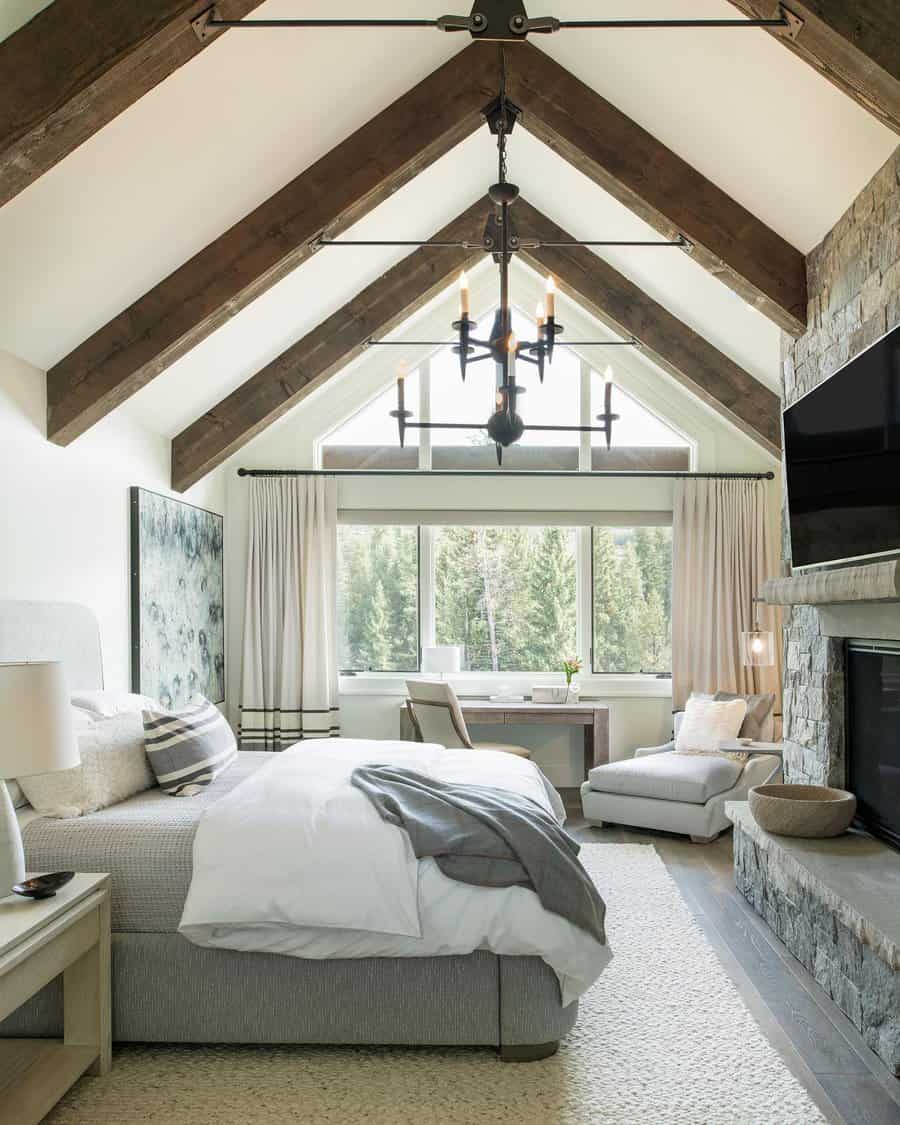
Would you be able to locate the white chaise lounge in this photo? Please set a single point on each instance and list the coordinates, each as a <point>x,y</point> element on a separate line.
<point>685,793</point>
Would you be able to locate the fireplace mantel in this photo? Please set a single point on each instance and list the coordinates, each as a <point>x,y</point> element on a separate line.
<point>873,582</point>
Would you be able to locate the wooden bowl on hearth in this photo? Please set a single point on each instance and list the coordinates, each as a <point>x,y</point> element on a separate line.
<point>814,811</point>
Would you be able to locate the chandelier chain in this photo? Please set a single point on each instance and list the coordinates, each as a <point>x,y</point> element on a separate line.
<point>502,127</point>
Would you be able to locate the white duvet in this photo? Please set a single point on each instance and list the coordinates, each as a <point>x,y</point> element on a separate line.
<point>296,860</point>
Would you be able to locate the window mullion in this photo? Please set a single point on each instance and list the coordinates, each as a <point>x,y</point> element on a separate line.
<point>425,414</point>
<point>584,408</point>
<point>426,586</point>
<point>583,596</point>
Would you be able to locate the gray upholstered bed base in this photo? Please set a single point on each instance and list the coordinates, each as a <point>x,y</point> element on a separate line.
<point>167,990</point>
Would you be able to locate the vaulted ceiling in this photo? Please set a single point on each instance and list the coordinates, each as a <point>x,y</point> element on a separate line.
<point>166,259</point>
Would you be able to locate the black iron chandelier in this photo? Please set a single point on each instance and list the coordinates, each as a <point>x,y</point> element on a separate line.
<point>501,21</point>
<point>502,241</point>
<point>504,22</point>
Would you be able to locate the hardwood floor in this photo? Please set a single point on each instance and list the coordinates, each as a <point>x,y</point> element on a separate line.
<point>819,1044</point>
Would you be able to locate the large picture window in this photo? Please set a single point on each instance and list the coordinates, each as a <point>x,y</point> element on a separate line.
<point>516,598</point>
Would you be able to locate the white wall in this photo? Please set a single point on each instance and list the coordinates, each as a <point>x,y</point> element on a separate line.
<point>64,513</point>
<point>640,707</point>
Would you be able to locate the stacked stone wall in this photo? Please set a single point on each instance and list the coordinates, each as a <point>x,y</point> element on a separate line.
<point>854,298</point>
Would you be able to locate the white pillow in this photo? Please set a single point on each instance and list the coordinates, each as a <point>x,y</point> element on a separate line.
<point>114,766</point>
<point>105,704</point>
<point>707,722</point>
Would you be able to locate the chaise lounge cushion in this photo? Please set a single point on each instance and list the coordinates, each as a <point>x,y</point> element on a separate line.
<point>692,779</point>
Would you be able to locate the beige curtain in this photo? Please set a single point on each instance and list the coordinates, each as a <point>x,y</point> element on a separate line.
<point>723,551</point>
<point>289,687</point>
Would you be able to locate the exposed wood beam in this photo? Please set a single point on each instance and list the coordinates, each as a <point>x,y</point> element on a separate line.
<point>668,341</point>
<point>660,187</point>
<point>269,243</point>
<point>77,64</point>
<point>325,351</point>
<point>854,43</point>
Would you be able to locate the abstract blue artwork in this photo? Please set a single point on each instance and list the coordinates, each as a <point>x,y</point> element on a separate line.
<point>177,600</point>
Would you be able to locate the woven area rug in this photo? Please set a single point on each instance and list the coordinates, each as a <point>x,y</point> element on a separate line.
<point>663,1038</point>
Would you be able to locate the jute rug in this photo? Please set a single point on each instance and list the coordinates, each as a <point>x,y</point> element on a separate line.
<point>663,1038</point>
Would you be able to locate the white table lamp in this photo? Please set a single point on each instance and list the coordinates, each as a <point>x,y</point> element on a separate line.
<point>37,735</point>
<point>442,658</point>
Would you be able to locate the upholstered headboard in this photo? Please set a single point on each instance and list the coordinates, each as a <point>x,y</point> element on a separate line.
<point>53,631</point>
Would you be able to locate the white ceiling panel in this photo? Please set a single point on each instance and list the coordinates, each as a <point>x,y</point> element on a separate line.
<point>186,162</point>
<point>737,105</point>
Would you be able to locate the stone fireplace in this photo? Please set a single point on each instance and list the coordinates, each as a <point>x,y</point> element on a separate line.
<point>854,299</point>
<point>836,903</point>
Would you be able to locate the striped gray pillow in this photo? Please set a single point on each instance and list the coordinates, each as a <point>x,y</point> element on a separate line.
<point>190,747</point>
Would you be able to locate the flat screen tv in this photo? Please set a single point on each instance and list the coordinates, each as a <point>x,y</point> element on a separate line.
<point>842,457</point>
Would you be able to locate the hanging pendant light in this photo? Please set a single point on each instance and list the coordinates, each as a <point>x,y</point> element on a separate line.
<point>757,644</point>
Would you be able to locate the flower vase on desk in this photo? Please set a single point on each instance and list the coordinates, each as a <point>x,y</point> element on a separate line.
<point>571,667</point>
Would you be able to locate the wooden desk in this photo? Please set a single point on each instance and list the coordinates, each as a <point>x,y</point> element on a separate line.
<point>67,934</point>
<point>593,717</point>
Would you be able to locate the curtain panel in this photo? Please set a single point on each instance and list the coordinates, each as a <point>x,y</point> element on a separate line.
<point>723,551</point>
<point>289,687</point>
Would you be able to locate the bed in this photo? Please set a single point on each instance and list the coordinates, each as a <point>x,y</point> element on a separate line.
<point>166,989</point>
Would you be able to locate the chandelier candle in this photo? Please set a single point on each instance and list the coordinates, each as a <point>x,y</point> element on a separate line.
<point>463,296</point>
<point>401,413</point>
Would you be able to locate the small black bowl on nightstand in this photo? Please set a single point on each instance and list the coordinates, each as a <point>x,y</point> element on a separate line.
<point>44,886</point>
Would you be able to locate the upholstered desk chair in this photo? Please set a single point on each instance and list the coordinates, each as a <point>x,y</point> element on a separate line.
<point>437,717</point>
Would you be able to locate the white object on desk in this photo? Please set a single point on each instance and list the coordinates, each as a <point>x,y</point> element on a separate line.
<point>37,735</point>
<point>549,693</point>
<point>442,658</point>
<point>67,934</point>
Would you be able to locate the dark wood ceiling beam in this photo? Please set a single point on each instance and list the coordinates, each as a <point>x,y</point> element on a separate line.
<point>669,342</point>
<point>660,187</point>
<point>77,64</point>
<point>335,192</point>
<point>325,351</point>
<point>855,44</point>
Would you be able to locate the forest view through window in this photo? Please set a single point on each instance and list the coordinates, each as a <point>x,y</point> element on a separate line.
<point>510,596</point>
<point>378,599</point>
<point>632,595</point>
<point>507,594</point>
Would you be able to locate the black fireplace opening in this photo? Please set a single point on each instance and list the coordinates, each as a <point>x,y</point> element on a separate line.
<point>873,735</point>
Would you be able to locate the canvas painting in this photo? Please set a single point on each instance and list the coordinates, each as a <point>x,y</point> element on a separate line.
<point>178,600</point>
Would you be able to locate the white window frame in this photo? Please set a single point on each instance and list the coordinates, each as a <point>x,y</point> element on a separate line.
<point>583,523</point>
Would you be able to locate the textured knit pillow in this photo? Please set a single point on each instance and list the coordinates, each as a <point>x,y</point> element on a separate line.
<point>113,767</point>
<point>708,722</point>
<point>190,747</point>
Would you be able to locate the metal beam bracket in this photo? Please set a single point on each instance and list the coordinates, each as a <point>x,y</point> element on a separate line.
<point>200,25</point>
<point>794,24</point>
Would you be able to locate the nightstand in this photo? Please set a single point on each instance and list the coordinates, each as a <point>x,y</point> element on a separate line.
<point>66,934</point>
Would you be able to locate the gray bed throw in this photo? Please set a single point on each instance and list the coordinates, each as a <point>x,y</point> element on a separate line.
<point>489,837</point>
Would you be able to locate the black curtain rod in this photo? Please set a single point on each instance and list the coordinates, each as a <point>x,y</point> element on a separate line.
<point>571,474</point>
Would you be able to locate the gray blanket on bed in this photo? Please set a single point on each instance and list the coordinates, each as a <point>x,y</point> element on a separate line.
<point>489,837</point>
